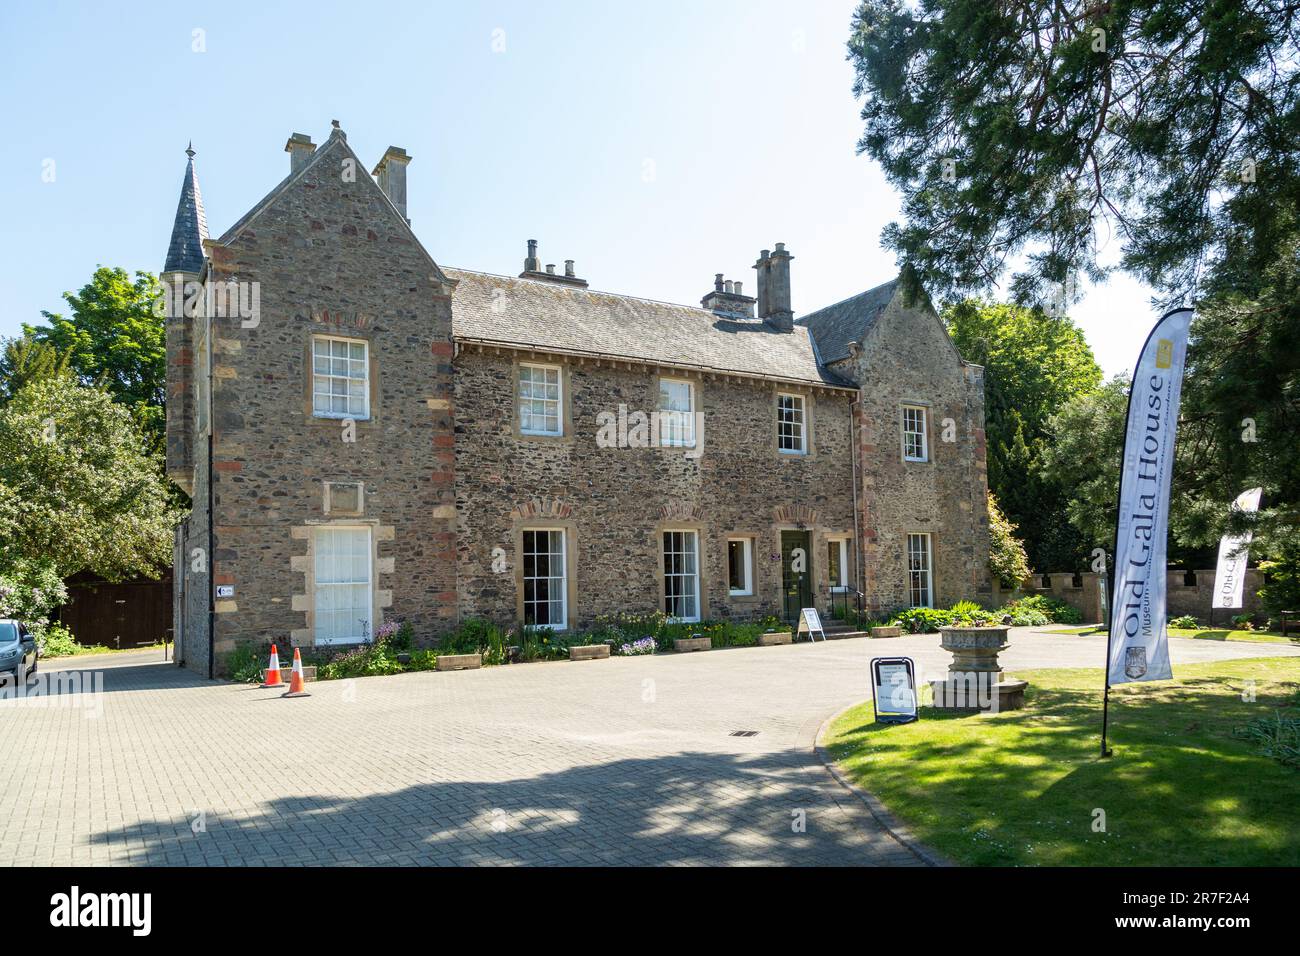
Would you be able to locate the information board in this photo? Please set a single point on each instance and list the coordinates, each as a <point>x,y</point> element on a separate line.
<point>893,690</point>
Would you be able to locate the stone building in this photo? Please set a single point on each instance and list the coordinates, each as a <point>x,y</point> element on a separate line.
<point>369,436</point>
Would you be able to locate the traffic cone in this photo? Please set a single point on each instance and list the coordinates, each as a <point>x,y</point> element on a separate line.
<point>297,684</point>
<point>273,678</point>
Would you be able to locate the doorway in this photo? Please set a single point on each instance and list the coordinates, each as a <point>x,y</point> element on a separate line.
<point>796,573</point>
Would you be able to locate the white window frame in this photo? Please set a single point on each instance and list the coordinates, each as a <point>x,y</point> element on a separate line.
<point>550,577</point>
<point>842,584</point>
<point>802,423</point>
<point>558,400</point>
<point>316,377</point>
<point>923,434</point>
<point>913,582</point>
<point>747,550</point>
<point>663,555</point>
<point>677,427</point>
<point>369,582</point>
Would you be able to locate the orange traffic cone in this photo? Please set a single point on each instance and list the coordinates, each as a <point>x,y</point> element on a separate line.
<point>297,684</point>
<point>273,678</point>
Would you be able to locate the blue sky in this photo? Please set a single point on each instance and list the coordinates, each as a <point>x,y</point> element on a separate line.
<point>655,144</point>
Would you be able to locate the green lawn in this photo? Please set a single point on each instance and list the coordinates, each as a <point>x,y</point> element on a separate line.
<point>1020,788</point>
<point>1201,634</point>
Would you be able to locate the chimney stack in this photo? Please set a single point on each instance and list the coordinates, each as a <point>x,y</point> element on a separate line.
<point>774,288</point>
<point>300,149</point>
<point>533,270</point>
<point>727,299</point>
<point>391,173</point>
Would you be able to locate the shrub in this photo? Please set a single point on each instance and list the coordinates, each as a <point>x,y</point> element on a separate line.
<point>28,592</point>
<point>399,635</point>
<point>1054,609</point>
<point>1007,558</point>
<point>368,660</point>
<point>1244,622</point>
<point>645,645</point>
<point>1184,621</point>
<point>922,620</point>
<point>55,640</point>
<point>244,664</point>
<point>425,660</point>
<point>1281,590</point>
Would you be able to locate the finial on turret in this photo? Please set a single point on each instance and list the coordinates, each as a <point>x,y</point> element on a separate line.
<point>189,150</point>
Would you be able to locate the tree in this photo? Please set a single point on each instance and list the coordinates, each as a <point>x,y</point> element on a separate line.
<point>1035,133</point>
<point>1007,558</point>
<point>79,489</point>
<point>115,340</point>
<point>1085,455</point>
<point>1033,364</point>
<point>26,359</point>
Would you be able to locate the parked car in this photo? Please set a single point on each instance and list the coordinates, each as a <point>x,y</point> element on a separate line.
<point>17,650</point>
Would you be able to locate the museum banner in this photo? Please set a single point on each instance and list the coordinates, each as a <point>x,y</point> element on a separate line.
<point>1138,643</point>
<point>1234,553</point>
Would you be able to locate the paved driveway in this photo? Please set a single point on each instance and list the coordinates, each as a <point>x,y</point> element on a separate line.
<point>627,761</point>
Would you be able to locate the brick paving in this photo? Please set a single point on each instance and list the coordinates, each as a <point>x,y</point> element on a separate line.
<point>626,761</point>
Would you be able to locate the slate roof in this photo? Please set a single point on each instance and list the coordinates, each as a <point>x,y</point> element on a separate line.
<point>499,309</point>
<point>185,252</point>
<point>835,326</point>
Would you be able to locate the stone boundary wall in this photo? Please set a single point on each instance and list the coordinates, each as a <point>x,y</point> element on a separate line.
<point>1187,593</point>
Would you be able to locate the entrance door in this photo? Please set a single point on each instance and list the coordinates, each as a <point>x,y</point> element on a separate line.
<point>796,572</point>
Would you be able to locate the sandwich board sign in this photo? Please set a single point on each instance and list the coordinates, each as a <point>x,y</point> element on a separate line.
<point>893,690</point>
<point>810,621</point>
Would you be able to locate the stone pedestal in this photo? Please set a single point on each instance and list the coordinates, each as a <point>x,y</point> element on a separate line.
<point>975,681</point>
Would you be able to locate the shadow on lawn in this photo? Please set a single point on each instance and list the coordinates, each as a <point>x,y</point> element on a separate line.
<point>699,808</point>
<point>1179,790</point>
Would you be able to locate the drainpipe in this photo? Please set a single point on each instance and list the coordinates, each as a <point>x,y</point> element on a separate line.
<point>855,451</point>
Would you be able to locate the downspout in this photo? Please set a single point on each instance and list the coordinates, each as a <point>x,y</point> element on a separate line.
<point>212,544</point>
<point>854,448</point>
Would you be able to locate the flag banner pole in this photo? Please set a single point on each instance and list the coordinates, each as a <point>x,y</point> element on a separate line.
<point>1137,639</point>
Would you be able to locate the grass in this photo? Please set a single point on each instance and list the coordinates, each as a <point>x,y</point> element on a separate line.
<point>85,649</point>
<point>1203,634</point>
<point>1021,787</point>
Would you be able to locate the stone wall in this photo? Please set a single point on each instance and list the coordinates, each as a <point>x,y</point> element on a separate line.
<point>615,502</point>
<point>1082,592</point>
<point>907,358</point>
<point>1196,597</point>
<point>331,256</point>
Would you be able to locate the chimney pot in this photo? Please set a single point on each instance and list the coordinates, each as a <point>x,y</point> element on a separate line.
<point>717,282</point>
<point>532,263</point>
<point>738,288</point>
<point>550,268</point>
<point>568,268</point>
<point>728,287</point>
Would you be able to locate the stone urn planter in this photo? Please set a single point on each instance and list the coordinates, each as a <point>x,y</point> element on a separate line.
<point>459,662</point>
<point>975,680</point>
<point>772,638</point>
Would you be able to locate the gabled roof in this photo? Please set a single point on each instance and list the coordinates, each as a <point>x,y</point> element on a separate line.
<point>835,326</point>
<point>185,251</point>
<point>506,311</point>
<point>336,145</point>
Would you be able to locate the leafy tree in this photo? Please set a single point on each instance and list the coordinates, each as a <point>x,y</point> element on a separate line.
<point>26,359</point>
<point>1085,455</point>
<point>1007,558</point>
<point>1033,364</point>
<point>1032,134</point>
<point>78,487</point>
<point>115,340</point>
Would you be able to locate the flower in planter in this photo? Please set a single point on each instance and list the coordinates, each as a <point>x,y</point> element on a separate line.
<point>645,645</point>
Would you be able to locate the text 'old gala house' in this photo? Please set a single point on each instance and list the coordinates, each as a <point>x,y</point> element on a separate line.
<point>368,435</point>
